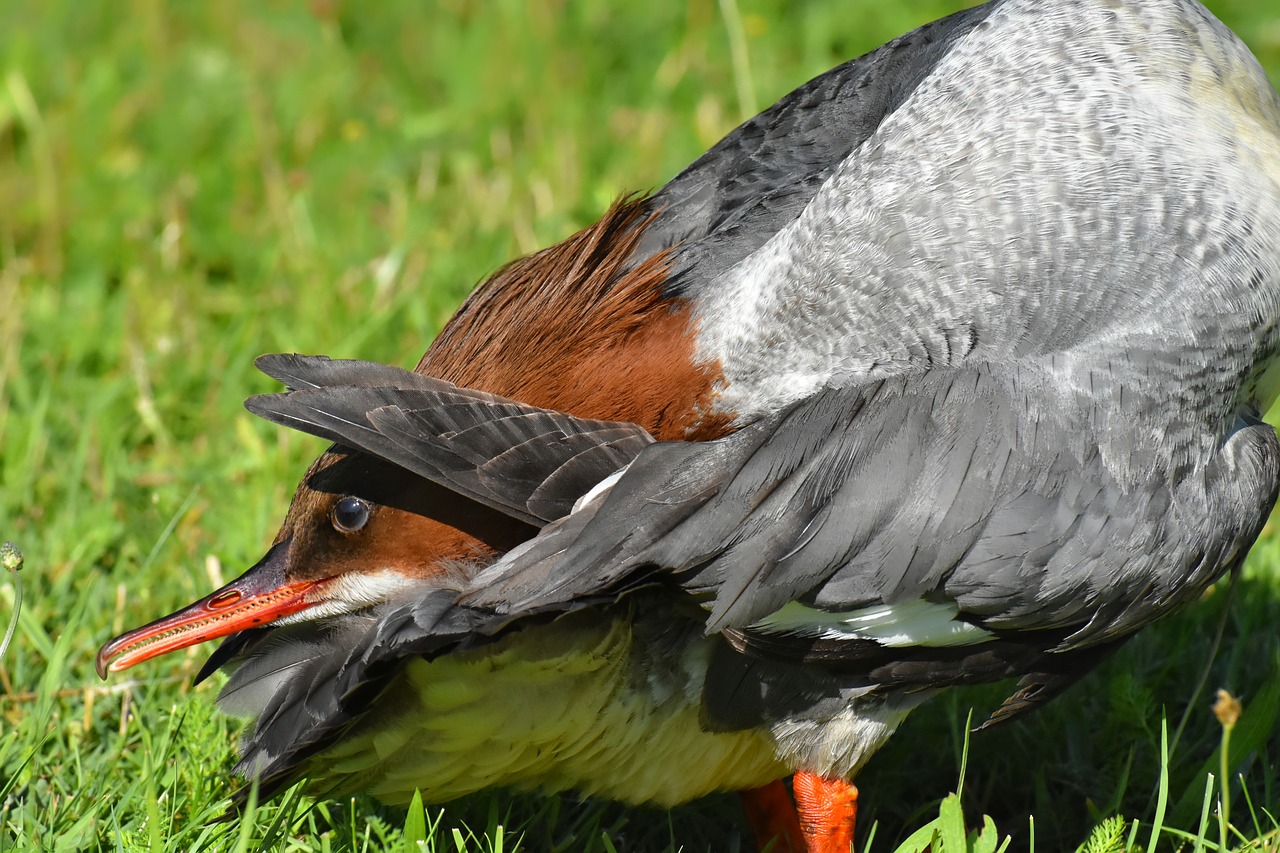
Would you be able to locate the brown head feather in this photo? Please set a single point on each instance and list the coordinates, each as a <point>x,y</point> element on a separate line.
<point>577,327</point>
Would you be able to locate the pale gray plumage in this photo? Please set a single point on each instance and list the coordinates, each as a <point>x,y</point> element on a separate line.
<point>1087,189</point>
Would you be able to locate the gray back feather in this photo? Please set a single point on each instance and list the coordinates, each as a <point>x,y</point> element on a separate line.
<point>736,196</point>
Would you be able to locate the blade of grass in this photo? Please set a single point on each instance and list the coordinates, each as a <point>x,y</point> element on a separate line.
<point>1162,798</point>
<point>1204,812</point>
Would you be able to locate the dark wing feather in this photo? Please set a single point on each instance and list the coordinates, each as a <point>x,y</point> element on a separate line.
<point>529,463</point>
<point>299,372</point>
<point>945,487</point>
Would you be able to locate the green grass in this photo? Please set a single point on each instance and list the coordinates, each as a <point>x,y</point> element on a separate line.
<point>184,186</point>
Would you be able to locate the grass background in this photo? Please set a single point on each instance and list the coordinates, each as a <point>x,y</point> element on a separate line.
<point>186,185</point>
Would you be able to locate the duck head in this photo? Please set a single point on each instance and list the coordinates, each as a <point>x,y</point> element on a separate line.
<point>358,530</point>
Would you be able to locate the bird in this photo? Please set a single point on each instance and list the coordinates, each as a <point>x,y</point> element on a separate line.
<point>948,367</point>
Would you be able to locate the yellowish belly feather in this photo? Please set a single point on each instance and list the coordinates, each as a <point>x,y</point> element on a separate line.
<point>552,707</point>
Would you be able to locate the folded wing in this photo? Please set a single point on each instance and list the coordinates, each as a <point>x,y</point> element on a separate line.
<point>529,463</point>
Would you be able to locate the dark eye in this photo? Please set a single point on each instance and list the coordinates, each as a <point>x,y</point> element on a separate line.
<point>349,515</point>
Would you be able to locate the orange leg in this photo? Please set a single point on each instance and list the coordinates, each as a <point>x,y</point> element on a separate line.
<point>828,810</point>
<point>773,818</point>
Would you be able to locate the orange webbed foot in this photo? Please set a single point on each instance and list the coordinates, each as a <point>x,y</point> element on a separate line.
<point>828,810</point>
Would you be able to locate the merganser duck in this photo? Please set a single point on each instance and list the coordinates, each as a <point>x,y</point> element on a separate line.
<point>954,357</point>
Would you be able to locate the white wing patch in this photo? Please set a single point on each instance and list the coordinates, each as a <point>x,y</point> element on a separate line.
<point>600,487</point>
<point>911,623</point>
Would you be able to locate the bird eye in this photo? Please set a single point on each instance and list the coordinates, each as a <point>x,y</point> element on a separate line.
<point>349,515</point>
